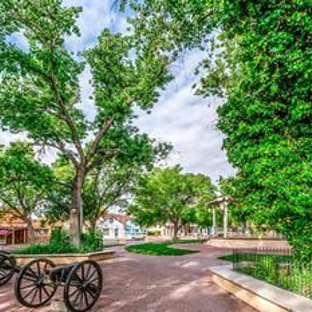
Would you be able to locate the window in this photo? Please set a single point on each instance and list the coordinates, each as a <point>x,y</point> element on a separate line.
<point>105,232</point>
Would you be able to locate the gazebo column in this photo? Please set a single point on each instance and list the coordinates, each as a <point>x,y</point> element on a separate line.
<point>214,223</point>
<point>225,220</point>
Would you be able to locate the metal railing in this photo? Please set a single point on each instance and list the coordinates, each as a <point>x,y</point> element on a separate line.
<point>276,266</point>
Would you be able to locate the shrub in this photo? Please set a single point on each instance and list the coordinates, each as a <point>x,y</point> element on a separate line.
<point>92,241</point>
<point>60,244</point>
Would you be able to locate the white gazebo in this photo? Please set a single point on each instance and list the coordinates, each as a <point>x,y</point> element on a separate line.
<point>222,203</point>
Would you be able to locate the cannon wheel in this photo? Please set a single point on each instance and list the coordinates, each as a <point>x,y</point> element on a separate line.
<point>83,286</point>
<point>7,267</point>
<point>32,286</point>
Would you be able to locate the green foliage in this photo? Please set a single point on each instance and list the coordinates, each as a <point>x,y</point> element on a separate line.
<point>162,249</point>
<point>169,196</point>
<point>105,186</point>
<point>59,236</point>
<point>264,70</point>
<point>44,249</point>
<point>284,271</point>
<point>92,241</point>
<point>24,182</point>
<point>181,24</point>
<point>41,84</point>
<point>60,243</point>
<point>153,233</point>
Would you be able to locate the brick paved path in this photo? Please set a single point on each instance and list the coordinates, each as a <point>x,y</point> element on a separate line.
<point>138,283</point>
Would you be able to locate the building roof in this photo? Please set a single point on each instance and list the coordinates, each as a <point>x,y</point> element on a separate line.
<point>9,221</point>
<point>220,200</point>
<point>119,217</point>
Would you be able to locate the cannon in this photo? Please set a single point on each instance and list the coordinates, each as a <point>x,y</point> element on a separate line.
<point>38,281</point>
<point>7,267</point>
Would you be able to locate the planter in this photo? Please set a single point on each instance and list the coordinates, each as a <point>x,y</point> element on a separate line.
<point>247,243</point>
<point>260,295</point>
<point>61,259</point>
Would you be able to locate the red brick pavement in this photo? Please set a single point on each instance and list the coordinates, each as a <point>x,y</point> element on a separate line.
<point>138,283</point>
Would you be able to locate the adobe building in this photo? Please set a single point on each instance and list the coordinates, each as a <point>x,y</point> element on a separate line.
<point>13,230</point>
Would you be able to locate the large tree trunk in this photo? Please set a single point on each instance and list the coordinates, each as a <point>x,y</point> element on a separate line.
<point>30,230</point>
<point>176,229</point>
<point>92,224</point>
<point>76,215</point>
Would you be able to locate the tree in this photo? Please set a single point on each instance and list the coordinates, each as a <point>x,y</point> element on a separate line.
<point>169,196</point>
<point>24,183</point>
<point>106,186</point>
<point>40,92</point>
<point>239,212</point>
<point>264,73</point>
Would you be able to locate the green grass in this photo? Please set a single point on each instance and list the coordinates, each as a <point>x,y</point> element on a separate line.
<point>159,249</point>
<point>283,271</point>
<point>188,241</point>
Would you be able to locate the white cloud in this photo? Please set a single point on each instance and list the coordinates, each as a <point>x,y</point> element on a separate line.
<point>96,15</point>
<point>189,123</point>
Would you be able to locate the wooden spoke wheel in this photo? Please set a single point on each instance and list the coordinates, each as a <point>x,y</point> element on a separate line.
<point>33,287</point>
<point>83,286</point>
<point>7,267</point>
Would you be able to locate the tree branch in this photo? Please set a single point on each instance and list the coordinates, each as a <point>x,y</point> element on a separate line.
<point>69,121</point>
<point>99,160</point>
<point>61,147</point>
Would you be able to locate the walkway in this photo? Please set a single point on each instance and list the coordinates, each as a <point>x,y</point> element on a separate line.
<point>135,283</point>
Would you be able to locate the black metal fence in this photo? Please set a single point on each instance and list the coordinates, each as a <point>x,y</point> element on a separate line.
<point>277,267</point>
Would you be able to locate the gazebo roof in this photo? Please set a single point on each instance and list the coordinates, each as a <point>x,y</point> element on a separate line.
<point>221,199</point>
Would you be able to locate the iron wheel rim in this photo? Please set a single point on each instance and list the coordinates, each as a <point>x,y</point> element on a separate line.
<point>7,268</point>
<point>32,287</point>
<point>83,286</point>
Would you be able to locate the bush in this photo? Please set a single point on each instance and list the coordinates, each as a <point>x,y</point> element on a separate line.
<point>60,244</point>
<point>154,233</point>
<point>59,236</point>
<point>92,241</point>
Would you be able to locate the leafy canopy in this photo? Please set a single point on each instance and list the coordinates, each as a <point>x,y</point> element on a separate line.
<point>24,181</point>
<point>264,71</point>
<point>169,196</point>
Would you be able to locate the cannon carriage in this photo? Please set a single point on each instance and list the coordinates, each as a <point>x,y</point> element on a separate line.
<point>7,267</point>
<point>38,281</point>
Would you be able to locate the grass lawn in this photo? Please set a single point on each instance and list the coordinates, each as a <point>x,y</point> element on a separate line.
<point>188,241</point>
<point>161,249</point>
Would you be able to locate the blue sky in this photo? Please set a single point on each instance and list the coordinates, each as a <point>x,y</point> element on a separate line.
<point>185,120</point>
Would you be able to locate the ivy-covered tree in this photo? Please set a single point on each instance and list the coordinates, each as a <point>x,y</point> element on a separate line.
<point>24,183</point>
<point>169,196</point>
<point>264,71</point>
<point>40,91</point>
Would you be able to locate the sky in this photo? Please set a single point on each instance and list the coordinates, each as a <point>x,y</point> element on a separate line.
<point>187,121</point>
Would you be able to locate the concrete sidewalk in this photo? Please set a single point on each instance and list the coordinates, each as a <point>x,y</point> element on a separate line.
<point>137,283</point>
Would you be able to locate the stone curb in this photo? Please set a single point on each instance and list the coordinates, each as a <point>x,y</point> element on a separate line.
<point>259,294</point>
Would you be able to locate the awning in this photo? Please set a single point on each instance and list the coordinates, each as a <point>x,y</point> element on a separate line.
<point>4,232</point>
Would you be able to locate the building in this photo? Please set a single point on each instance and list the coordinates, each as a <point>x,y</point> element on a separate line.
<point>120,227</point>
<point>13,230</point>
<point>189,230</point>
